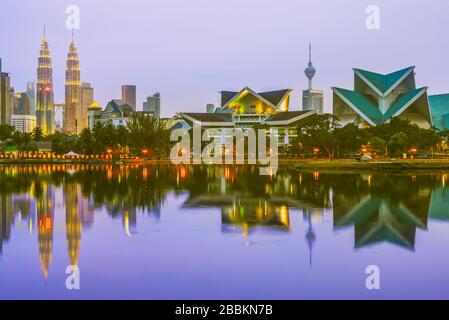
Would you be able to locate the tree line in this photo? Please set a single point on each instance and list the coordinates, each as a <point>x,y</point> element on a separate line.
<point>142,135</point>
<point>324,135</point>
<point>317,136</point>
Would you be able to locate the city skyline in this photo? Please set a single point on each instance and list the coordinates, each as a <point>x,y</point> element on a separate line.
<point>187,65</point>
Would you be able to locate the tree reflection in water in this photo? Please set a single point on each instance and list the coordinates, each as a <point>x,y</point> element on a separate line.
<point>380,206</point>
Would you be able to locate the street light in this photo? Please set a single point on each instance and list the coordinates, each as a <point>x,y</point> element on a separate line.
<point>413,151</point>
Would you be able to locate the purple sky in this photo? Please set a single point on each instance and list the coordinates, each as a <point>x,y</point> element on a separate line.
<point>189,50</point>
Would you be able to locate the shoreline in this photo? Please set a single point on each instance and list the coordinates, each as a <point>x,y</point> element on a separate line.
<point>300,165</point>
<point>374,166</point>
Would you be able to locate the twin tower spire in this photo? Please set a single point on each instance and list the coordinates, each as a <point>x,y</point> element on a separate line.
<point>45,117</point>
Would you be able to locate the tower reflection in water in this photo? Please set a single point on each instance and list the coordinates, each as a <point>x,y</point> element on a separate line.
<point>379,207</point>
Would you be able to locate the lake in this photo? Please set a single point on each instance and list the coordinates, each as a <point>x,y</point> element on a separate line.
<point>221,232</point>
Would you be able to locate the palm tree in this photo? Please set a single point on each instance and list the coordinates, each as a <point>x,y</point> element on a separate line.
<point>37,134</point>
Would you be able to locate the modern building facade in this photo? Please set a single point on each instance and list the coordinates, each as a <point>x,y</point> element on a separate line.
<point>312,100</point>
<point>93,114</point>
<point>31,94</point>
<point>44,95</point>
<point>5,98</point>
<point>377,98</point>
<point>439,109</point>
<point>73,112</point>
<point>23,122</point>
<point>129,95</point>
<point>246,109</point>
<point>87,98</point>
<point>21,104</point>
<point>210,108</point>
<point>115,113</point>
<point>153,105</point>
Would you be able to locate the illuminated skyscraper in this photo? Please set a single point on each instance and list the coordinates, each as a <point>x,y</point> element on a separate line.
<point>31,94</point>
<point>5,98</point>
<point>87,98</point>
<point>129,95</point>
<point>44,96</point>
<point>72,115</point>
<point>21,104</point>
<point>153,105</point>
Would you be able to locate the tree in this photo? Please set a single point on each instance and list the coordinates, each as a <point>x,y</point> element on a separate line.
<point>85,141</point>
<point>425,139</point>
<point>17,138</point>
<point>37,134</point>
<point>122,138</point>
<point>349,139</point>
<point>318,131</point>
<point>148,135</point>
<point>22,141</point>
<point>62,143</point>
<point>379,146</point>
<point>104,137</point>
<point>6,132</point>
<point>398,141</point>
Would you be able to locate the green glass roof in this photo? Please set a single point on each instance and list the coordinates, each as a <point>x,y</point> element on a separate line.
<point>439,204</point>
<point>383,82</point>
<point>364,105</point>
<point>401,235</point>
<point>439,109</point>
<point>371,111</point>
<point>401,102</point>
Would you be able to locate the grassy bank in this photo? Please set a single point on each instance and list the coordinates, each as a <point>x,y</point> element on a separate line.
<point>352,165</point>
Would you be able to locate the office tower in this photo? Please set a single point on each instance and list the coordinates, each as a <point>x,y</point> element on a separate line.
<point>44,96</point>
<point>129,95</point>
<point>312,100</point>
<point>12,100</point>
<point>5,99</point>
<point>21,104</point>
<point>31,97</point>
<point>153,105</point>
<point>210,108</point>
<point>23,122</point>
<point>72,115</point>
<point>87,98</point>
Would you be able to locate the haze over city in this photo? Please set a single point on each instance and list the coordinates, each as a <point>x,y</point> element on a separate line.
<point>189,50</point>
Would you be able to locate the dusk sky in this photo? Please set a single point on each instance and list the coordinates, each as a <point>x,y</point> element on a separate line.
<point>190,50</point>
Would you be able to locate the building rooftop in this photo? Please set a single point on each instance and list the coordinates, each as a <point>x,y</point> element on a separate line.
<point>274,98</point>
<point>376,98</point>
<point>384,82</point>
<point>439,109</point>
<point>282,116</point>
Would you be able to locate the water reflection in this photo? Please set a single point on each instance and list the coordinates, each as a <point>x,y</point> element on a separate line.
<point>380,207</point>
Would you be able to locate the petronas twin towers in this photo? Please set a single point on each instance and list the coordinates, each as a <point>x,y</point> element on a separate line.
<point>45,115</point>
<point>72,114</point>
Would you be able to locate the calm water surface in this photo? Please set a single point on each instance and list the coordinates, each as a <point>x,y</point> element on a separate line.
<point>166,232</point>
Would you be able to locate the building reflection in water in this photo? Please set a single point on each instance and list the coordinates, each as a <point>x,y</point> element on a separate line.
<point>384,208</point>
<point>379,207</point>
<point>44,193</point>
